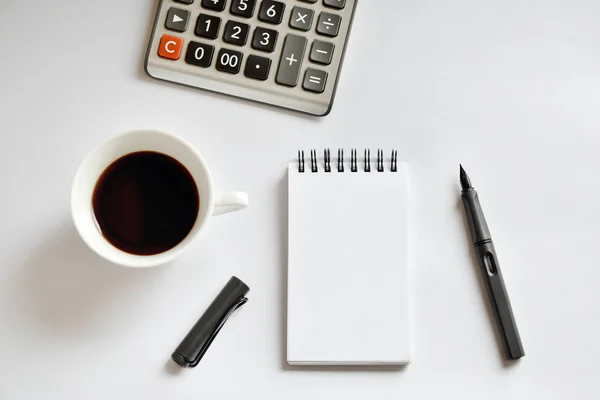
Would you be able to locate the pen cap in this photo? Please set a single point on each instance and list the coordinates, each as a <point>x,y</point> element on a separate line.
<point>195,344</point>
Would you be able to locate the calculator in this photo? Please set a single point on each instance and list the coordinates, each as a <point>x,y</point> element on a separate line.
<point>285,53</point>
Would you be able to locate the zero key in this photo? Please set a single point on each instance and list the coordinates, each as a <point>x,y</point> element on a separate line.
<point>291,60</point>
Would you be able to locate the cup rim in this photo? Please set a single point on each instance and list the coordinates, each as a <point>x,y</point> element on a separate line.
<point>121,257</point>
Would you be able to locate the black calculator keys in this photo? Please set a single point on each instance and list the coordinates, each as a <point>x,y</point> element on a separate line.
<point>177,19</point>
<point>216,5</point>
<point>185,1</point>
<point>291,60</point>
<point>257,68</point>
<point>314,80</point>
<point>207,26</point>
<point>301,18</point>
<point>236,33</point>
<point>229,61</point>
<point>339,4</point>
<point>271,11</point>
<point>321,52</point>
<point>264,39</point>
<point>243,8</point>
<point>199,54</point>
<point>329,24</point>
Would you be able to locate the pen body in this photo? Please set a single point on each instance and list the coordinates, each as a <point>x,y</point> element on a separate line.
<point>499,300</point>
<point>477,224</point>
<point>492,275</point>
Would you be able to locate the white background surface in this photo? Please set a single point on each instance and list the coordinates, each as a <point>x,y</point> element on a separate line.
<point>510,89</point>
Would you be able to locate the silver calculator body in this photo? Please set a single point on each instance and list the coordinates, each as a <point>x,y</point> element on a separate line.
<point>286,53</point>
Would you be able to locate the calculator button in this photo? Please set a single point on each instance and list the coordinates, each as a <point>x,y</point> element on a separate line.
<point>339,4</point>
<point>170,47</point>
<point>243,8</point>
<point>236,33</point>
<point>329,24</point>
<point>257,68</point>
<point>207,26</point>
<point>264,39</point>
<point>199,54</point>
<point>271,11</point>
<point>301,18</point>
<point>291,60</point>
<point>177,19</point>
<point>321,52</point>
<point>217,5</point>
<point>185,1</point>
<point>309,1</point>
<point>314,80</point>
<point>229,61</point>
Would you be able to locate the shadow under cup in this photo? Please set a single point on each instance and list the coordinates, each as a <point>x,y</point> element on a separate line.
<point>100,158</point>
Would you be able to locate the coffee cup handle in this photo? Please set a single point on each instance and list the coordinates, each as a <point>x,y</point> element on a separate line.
<point>226,202</point>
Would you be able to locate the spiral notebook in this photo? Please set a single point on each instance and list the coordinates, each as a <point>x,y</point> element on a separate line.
<point>348,289</point>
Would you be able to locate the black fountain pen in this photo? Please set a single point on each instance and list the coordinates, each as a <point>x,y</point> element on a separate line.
<point>490,269</point>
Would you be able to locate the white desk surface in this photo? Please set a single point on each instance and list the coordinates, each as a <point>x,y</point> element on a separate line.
<point>511,89</point>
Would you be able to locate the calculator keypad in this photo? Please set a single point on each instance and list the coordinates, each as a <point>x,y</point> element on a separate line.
<point>301,18</point>
<point>285,46</point>
<point>229,61</point>
<point>236,33</point>
<point>315,80</point>
<point>170,47</point>
<point>271,11</point>
<point>329,24</point>
<point>291,60</point>
<point>199,54</point>
<point>264,39</point>
<point>322,52</point>
<point>207,26</point>
<point>243,8</point>
<point>339,4</point>
<point>257,67</point>
<point>216,5</point>
<point>177,19</point>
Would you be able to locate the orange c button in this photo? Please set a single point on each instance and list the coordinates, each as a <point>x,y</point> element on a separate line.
<point>170,47</point>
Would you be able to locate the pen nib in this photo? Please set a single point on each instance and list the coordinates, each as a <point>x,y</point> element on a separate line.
<point>465,182</point>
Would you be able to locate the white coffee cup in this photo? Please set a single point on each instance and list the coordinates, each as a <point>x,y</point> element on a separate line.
<point>89,171</point>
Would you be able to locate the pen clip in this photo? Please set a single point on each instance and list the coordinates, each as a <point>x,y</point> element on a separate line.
<point>240,302</point>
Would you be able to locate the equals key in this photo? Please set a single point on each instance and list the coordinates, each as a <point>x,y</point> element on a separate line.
<point>315,80</point>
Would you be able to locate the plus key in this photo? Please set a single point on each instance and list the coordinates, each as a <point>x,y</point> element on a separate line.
<point>291,60</point>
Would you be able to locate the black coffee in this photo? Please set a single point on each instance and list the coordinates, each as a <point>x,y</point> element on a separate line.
<point>145,203</point>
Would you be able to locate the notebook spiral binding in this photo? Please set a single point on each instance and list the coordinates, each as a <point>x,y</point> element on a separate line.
<point>380,161</point>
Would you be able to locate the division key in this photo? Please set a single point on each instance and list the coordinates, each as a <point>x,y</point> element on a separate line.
<point>291,60</point>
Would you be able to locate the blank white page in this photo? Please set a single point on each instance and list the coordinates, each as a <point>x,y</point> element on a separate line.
<point>348,291</point>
